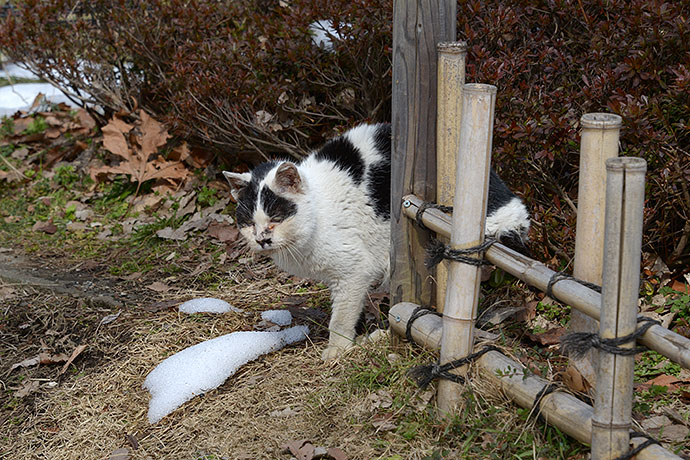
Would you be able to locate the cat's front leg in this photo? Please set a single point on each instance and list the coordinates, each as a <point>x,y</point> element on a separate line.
<point>348,302</point>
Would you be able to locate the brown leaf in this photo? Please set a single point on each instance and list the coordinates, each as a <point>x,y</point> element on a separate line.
<point>114,139</point>
<point>179,153</point>
<point>20,125</point>
<point>223,232</point>
<point>154,134</point>
<point>158,287</point>
<point>384,422</point>
<point>681,287</point>
<point>550,337</point>
<point>77,351</point>
<point>120,454</point>
<point>26,363</point>
<point>664,380</point>
<point>85,119</point>
<point>46,358</point>
<point>29,387</point>
<point>575,381</point>
<point>164,305</point>
<point>528,313</point>
<point>337,454</point>
<point>45,227</point>
<point>301,449</point>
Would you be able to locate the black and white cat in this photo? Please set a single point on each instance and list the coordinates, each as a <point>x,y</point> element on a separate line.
<point>327,218</point>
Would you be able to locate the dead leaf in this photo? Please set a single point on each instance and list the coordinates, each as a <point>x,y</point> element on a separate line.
<point>550,337</point>
<point>655,422</point>
<point>158,287</point>
<point>110,318</point>
<point>164,305</point>
<point>46,358</point>
<point>120,454</point>
<point>114,139</point>
<point>223,232</point>
<point>77,351</point>
<point>45,227</point>
<point>664,380</point>
<point>26,363</point>
<point>179,153</point>
<point>168,233</point>
<point>681,287</point>
<point>6,292</point>
<point>301,449</point>
<point>20,153</point>
<point>336,453</point>
<point>29,387</point>
<point>574,380</point>
<point>674,433</point>
<point>154,135</point>
<point>384,422</point>
<point>85,119</point>
<point>528,313</point>
<point>287,412</point>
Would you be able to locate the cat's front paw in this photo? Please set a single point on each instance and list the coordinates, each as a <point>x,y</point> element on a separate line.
<point>332,352</point>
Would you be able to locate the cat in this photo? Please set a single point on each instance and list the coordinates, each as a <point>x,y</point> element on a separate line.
<point>327,218</point>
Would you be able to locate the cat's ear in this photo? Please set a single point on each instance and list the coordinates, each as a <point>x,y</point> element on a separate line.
<point>288,178</point>
<point>237,181</point>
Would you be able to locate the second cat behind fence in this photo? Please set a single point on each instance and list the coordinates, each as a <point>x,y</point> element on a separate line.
<point>327,218</point>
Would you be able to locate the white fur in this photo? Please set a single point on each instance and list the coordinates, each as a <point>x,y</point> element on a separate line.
<point>510,217</point>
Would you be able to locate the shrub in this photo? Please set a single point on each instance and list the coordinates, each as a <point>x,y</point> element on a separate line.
<point>245,76</point>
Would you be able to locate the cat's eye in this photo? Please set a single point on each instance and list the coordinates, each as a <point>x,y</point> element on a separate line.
<point>276,220</point>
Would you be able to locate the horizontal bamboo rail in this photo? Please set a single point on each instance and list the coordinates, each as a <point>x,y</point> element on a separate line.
<point>559,409</point>
<point>657,338</point>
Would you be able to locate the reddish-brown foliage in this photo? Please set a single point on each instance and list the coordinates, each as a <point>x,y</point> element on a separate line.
<point>246,77</point>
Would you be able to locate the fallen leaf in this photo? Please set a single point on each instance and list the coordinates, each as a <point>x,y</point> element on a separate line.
<point>164,305</point>
<point>674,433</point>
<point>110,318</point>
<point>301,449</point>
<point>287,412</point>
<point>6,292</point>
<point>158,287</point>
<point>20,153</point>
<point>336,453</point>
<point>45,227</point>
<point>665,380</point>
<point>77,351</point>
<point>154,135</point>
<point>85,119</point>
<point>46,358</point>
<point>550,337</point>
<point>575,381</point>
<point>528,313</point>
<point>681,287</point>
<point>655,422</point>
<point>223,232</point>
<point>29,387</point>
<point>120,454</point>
<point>383,422</point>
<point>168,233</point>
<point>26,363</point>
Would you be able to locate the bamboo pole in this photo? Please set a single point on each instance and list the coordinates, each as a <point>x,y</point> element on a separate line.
<point>451,78</point>
<point>559,409</point>
<point>657,338</point>
<point>622,248</point>
<point>471,187</point>
<point>599,142</point>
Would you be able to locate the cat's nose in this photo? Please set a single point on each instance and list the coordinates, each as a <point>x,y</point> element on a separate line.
<point>264,242</point>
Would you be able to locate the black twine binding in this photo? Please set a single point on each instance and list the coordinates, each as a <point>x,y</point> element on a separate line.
<point>437,251</point>
<point>560,276</point>
<point>426,205</point>
<point>634,451</point>
<point>577,344</point>
<point>424,375</point>
<point>417,313</point>
<point>536,405</point>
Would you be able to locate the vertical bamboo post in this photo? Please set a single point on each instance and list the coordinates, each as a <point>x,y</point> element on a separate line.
<point>622,247</point>
<point>451,77</point>
<point>417,27</point>
<point>599,142</point>
<point>469,204</point>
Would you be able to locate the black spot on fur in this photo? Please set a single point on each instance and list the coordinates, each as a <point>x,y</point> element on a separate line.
<point>345,155</point>
<point>379,174</point>
<point>276,207</point>
<point>499,194</point>
<point>246,201</point>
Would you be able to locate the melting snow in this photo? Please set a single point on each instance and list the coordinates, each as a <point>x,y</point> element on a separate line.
<point>279,317</point>
<point>207,305</point>
<point>21,95</point>
<point>203,367</point>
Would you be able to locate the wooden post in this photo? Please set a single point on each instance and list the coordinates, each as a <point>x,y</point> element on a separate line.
<point>417,27</point>
<point>559,409</point>
<point>451,78</point>
<point>471,187</point>
<point>599,142</point>
<point>622,249</point>
<point>587,301</point>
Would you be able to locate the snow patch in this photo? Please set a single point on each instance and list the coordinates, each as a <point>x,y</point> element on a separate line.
<point>279,317</point>
<point>207,305</point>
<point>22,95</point>
<point>203,367</point>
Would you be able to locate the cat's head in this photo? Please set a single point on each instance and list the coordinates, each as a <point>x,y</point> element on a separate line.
<point>268,204</point>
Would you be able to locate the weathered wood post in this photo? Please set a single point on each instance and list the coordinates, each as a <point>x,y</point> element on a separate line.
<point>417,27</point>
<point>451,78</point>
<point>622,249</point>
<point>469,204</point>
<point>599,142</point>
